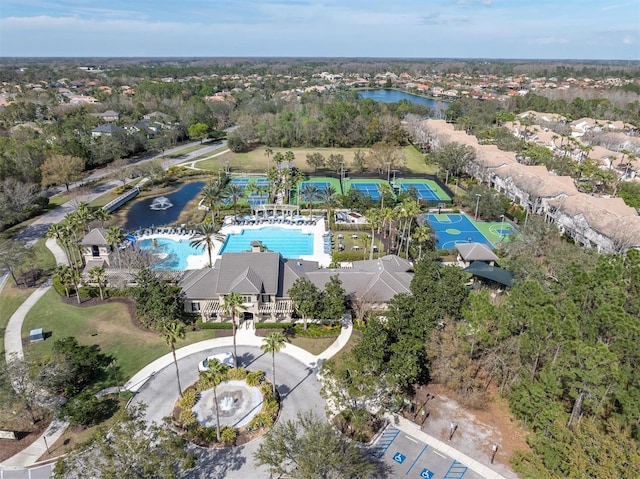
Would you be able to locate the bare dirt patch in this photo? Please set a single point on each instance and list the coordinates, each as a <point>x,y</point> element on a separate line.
<point>477,430</point>
<point>27,434</point>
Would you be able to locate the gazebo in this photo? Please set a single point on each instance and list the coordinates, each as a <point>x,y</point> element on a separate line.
<point>492,273</point>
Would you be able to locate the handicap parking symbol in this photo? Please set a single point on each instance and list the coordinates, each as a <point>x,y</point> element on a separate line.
<point>426,474</point>
<point>399,457</point>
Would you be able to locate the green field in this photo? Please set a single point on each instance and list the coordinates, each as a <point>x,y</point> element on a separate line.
<point>108,325</point>
<point>416,163</point>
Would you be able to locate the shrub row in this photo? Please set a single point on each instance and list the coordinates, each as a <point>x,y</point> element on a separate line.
<point>205,325</point>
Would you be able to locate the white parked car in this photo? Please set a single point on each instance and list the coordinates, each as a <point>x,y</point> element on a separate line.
<point>224,358</point>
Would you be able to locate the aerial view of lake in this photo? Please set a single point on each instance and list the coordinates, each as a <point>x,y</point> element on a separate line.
<point>394,96</point>
<point>161,210</point>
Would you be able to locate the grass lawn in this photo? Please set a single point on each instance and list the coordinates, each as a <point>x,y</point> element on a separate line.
<point>59,199</point>
<point>108,325</point>
<point>11,297</point>
<point>349,242</point>
<point>313,345</point>
<point>416,163</point>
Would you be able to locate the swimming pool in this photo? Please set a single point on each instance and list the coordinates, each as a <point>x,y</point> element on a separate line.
<point>172,254</point>
<point>290,243</point>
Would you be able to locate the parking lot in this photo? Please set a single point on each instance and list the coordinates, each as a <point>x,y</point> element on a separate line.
<point>408,457</point>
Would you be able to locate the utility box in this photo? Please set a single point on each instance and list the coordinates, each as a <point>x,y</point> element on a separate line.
<point>36,335</point>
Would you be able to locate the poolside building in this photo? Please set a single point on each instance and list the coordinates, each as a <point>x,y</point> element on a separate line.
<point>263,279</point>
<point>96,249</point>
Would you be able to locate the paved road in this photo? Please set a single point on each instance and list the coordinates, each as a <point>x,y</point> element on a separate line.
<point>300,392</point>
<point>39,227</point>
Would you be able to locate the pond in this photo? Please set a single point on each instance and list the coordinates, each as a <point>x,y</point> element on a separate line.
<point>394,96</point>
<point>162,209</point>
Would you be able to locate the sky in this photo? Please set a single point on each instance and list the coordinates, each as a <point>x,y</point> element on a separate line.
<point>528,29</point>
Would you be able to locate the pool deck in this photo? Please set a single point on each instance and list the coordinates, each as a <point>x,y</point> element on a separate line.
<point>317,230</point>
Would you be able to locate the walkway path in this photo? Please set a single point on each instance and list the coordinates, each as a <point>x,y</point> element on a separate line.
<point>192,164</point>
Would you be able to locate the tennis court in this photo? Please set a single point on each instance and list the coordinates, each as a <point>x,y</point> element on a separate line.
<point>456,228</point>
<point>427,190</point>
<point>321,183</point>
<point>371,188</point>
<point>253,198</point>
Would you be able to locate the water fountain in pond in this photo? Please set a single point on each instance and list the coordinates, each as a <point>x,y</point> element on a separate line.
<point>160,203</point>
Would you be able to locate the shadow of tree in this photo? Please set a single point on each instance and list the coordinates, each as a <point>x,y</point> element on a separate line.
<point>215,463</point>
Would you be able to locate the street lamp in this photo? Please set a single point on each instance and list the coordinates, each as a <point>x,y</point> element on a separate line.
<point>446,181</point>
<point>502,226</point>
<point>477,204</point>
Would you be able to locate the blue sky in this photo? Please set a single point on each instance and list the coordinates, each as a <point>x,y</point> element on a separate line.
<point>548,29</point>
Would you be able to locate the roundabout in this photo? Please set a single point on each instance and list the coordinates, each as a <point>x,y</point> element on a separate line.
<point>298,387</point>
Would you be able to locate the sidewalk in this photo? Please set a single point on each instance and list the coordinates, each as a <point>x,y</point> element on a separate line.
<point>13,333</point>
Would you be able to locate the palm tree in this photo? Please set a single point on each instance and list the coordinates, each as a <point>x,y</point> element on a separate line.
<point>327,194</point>
<point>73,223</point>
<point>114,237</point>
<point>232,305</point>
<point>289,156</point>
<point>233,192</point>
<point>62,273</point>
<point>278,158</point>
<point>268,152</point>
<point>310,192</point>
<point>374,218</point>
<point>215,374</point>
<point>84,215</point>
<point>422,234</point>
<point>385,190</point>
<point>208,234</point>
<point>211,195</point>
<point>58,232</point>
<point>75,278</point>
<point>273,343</point>
<point>98,274</point>
<point>102,216</point>
<point>172,331</point>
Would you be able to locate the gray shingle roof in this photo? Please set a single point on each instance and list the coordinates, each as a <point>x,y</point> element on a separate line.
<point>475,252</point>
<point>96,236</point>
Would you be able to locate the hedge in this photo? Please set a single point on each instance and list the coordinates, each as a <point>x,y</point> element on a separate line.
<point>202,325</point>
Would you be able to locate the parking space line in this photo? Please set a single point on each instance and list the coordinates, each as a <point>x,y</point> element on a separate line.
<point>412,439</point>
<point>414,462</point>
<point>441,455</point>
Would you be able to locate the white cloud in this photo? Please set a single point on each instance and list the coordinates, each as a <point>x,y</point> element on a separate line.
<point>628,40</point>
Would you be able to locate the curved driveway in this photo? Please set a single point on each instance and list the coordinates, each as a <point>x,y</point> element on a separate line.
<point>297,383</point>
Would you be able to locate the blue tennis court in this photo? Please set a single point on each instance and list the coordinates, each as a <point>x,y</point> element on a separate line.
<point>240,181</point>
<point>423,190</point>
<point>257,199</point>
<point>321,185</point>
<point>453,229</point>
<point>263,183</point>
<point>370,189</point>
